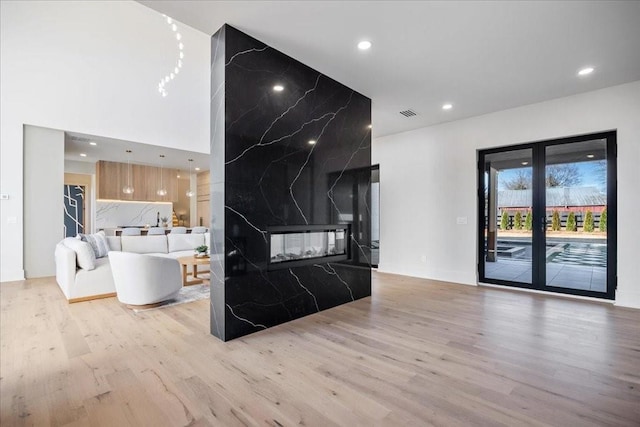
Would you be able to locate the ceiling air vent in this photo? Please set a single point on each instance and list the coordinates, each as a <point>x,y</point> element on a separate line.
<point>408,113</point>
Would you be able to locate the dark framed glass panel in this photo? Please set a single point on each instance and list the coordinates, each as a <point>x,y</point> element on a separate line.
<point>547,215</point>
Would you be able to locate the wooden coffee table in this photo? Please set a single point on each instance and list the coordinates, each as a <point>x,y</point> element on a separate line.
<point>194,262</point>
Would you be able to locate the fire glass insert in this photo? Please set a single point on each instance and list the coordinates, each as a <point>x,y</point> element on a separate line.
<point>300,244</point>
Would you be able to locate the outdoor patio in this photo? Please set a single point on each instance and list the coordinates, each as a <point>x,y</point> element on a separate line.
<point>571,263</point>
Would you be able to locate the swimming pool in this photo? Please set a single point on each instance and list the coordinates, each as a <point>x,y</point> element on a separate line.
<point>566,252</point>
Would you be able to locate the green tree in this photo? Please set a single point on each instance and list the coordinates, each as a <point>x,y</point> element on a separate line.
<point>528,222</point>
<point>517,221</point>
<point>555,220</point>
<point>588,222</point>
<point>603,220</point>
<point>504,221</point>
<point>571,222</point>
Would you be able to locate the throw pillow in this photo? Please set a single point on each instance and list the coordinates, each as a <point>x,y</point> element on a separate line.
<point>85,257</point>
<point>98,242</point>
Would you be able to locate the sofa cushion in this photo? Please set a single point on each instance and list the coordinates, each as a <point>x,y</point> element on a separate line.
<point>98,243</point>
<point>114,243</point>
<point>184,242</point>
<point>85,257</point>
<point>144,244</point>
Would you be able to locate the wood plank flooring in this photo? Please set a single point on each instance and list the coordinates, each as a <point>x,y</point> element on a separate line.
<point>417,352</point>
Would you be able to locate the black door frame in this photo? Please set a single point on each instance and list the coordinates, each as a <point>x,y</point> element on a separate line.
<point>538,272</point>
<point>376,167</point>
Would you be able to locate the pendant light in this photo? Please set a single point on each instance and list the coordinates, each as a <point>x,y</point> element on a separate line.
<point>161,191</point>
<point>189,192</point>
<point>128,189</point>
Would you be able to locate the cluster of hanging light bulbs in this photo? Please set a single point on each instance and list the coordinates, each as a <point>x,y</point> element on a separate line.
<point>176,70</point>
<point>128,188</point>
<point>161,191</point>
<point>190,193</point>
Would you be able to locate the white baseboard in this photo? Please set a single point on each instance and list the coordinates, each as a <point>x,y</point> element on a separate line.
<point>438,275</point>
<point>12,276</point>
<point>628,299</point>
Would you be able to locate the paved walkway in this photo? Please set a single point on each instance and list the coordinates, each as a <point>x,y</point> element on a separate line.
<point>560,275</point>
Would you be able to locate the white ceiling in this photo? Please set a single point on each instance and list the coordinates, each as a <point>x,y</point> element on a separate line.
<point>480,56</point>
<point>114,150</point>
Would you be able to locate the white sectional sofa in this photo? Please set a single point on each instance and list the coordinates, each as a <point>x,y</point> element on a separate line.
<point>79,284</point>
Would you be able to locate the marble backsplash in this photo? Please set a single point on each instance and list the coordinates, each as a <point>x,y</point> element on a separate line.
<point>113,214</point>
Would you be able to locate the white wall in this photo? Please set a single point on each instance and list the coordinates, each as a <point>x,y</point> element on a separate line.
<point>92,67</point>
<point>84,168</point>
<point>428,179</point>
<point>43,200</point>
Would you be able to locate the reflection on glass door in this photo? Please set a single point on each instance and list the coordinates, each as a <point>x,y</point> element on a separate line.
<point>508,217</point>
<point>576,212</point>
<point>375,216</point>
<point>547,215</point>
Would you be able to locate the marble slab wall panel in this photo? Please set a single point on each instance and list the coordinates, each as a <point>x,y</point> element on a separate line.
<point>114,214</point>
<point>217,188</point>
<point>274,176</point>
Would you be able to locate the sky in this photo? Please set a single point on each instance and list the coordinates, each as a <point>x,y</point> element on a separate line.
<point>590,173</point>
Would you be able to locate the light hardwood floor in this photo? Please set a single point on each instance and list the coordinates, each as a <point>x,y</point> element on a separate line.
<point>418,352</point>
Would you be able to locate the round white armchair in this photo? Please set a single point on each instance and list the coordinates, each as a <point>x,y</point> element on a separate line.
<point>144,279</point>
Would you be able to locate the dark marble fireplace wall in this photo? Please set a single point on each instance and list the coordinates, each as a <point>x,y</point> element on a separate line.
<point>266,173</point>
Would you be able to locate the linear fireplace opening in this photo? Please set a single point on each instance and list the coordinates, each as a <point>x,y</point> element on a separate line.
<point>293,246</point>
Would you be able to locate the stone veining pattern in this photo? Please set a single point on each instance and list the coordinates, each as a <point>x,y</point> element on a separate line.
<point>114,214</point>
<point>296,157</point>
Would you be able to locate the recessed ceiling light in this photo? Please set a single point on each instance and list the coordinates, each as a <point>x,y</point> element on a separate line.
<point>178,36</point>
<point>177,176</point>
<point>83,155</point>
<point>278,88</point>
<point>93,143</point>
<point>312,141</point>
<point>197,169</point>
<point>364,45</point>
<point>585,71</point>
<point>447,106</point>
<point>590,156</point>
<point>524,163</point>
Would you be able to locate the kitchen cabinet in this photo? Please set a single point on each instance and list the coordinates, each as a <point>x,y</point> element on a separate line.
<point>112,176</point>
<point>203,199</point>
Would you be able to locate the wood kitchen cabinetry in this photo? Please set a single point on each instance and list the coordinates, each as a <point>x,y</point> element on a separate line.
<point>203,201</point>
<point>112,176</point>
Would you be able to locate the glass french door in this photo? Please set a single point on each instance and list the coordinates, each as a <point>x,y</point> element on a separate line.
<point>547,215</point>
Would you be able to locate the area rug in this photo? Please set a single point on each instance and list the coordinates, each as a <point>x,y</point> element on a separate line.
<point>186,294</point>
